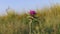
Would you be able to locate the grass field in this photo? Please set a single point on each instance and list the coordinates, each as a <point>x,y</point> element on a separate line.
<point>47,21</point>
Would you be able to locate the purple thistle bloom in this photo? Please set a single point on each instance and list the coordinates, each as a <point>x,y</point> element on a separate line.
<point>32,12</point>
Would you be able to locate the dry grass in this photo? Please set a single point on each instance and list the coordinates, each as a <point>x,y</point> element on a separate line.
<point>47,22</point>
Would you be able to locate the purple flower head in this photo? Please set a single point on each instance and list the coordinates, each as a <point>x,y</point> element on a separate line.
<point>32,12</point>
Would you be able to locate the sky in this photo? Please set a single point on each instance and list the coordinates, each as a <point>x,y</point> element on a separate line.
<point>19,5</point>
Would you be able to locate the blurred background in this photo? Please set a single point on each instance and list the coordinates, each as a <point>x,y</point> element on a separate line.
<point>29,16</point>
<point>21,5</point>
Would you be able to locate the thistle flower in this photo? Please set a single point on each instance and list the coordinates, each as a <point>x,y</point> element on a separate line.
<point>32,12</point>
